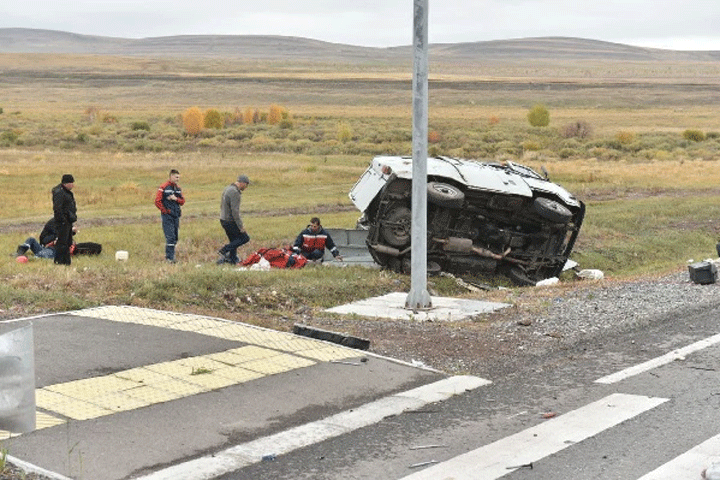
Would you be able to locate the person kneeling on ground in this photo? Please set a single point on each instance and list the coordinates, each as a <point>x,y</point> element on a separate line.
<point>312,242</point>
<point>40,251</point>
<point>45,247</point>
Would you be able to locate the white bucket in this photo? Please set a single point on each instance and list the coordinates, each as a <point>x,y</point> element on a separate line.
<point>121,255</point>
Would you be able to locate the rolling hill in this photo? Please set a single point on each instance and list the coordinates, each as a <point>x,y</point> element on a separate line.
<point>22,40</point>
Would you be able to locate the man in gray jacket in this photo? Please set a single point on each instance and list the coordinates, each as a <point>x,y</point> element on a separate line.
<point>231,221</point>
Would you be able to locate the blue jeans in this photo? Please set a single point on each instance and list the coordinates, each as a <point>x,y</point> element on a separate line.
<point>236,238</point>
<point>171,227</point>
<point>38,250</point>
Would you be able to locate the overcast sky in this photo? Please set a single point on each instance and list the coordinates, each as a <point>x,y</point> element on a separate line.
<point>674,24</point>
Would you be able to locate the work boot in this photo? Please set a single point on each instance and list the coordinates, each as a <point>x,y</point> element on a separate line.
<point>22,250</point>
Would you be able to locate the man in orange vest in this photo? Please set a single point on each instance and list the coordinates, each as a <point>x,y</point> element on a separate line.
<point>312,242</point>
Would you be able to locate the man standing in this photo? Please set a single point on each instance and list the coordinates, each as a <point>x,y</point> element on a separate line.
<point>312,242</point>
<point>168,200</point>
<point>65,214</point>
<point>231,221</point>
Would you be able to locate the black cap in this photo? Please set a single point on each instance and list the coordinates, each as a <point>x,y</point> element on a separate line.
<point>67,178</point>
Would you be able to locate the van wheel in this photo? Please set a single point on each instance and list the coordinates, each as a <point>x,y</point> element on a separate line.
<point>445,195</point>
<point>395,227</point>
<point>552,210</point>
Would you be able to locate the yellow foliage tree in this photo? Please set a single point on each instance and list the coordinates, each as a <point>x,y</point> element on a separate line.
<point>276,115</point>
<point>193,120</point>
<point>248,115</point>
<point>214,119</point>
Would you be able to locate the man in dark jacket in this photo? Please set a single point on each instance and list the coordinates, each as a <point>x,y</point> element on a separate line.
<point>312,242</point>
<point>168,200</point>
<point>65,214</point>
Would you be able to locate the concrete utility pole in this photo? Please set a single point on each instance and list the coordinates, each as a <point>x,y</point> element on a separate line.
<point>418,297</point>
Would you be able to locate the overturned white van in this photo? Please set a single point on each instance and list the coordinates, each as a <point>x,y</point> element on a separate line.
<point>484,218</point>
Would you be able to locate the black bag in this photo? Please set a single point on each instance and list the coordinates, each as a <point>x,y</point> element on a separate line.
<point>87,248</point>
<point>703,272</point>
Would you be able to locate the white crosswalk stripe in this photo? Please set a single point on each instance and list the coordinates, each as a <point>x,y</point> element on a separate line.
<point>499,458</point>
<point>678,354</point>
<point>690,464</point>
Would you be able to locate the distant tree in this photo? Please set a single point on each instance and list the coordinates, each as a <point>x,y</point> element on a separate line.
<point>213,119</point>
<point>248,115</point>
<point>276,114</point>
<point>539,116</point>
<point>577,129</point>
<point>694,135</point>
<point>193,120</point>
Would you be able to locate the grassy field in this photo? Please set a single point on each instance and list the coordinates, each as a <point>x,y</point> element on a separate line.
<point>652,204</point>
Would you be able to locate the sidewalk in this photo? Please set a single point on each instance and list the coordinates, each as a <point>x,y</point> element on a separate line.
<point>122,392</point>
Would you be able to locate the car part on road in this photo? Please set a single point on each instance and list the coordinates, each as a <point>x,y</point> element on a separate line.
<point>485,218</point>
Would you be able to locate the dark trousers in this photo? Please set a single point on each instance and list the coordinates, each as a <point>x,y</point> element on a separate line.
<point>64,240</point>
<point>236,238</point>
<point>171,229</point>
<point>314,255</point>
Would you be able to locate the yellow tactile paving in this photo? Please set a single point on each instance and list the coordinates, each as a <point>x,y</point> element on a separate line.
<point>179,388</point>
<point>92,387</point>
<point>267,352</point>
<point>43,420</point>
<point>142,376</point>
<point>152,395</point>
<point>198,325</point>
<point>230,331</point>
<point>279,364</point>
<point>252,352</point>
<point>194,364</point>
<point>118,402</point>
<point>239,374</point>
<point>210,381</point>
<point>69,407</point>
<point>328,353</point>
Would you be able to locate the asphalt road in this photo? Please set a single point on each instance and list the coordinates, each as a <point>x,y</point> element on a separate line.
<point>639,405</point>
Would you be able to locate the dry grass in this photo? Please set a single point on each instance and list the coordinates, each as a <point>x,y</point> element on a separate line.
<point>472,107</point>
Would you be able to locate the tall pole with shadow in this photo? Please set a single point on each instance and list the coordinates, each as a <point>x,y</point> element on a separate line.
<point>418,297</point>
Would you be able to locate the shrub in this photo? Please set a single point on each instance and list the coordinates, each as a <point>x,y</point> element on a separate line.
<point>251,116</point>
<point>92,113</point>
<point>433,137</point>
<point>568,152</point>
<point>344,133</point>
<point>578,129</point>
<point>213,119</point>
<point>140,126</point>
<point>532,145</point>
<point>694,135</point>
<point>193,120</point>
<point>625,137</point>
<point>9,136</point>
<point>237,117</point>
<point>539,116</point>
<point>276,115</point>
